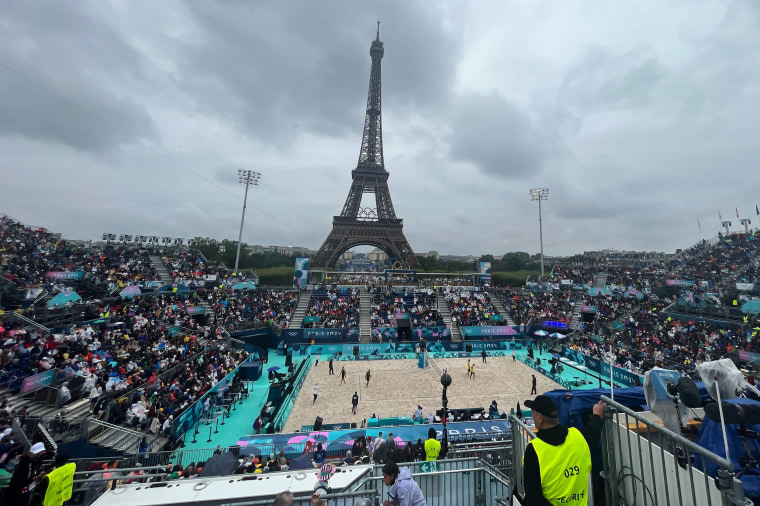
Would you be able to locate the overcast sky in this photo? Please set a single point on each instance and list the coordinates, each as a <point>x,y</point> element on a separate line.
<point>133,117</point>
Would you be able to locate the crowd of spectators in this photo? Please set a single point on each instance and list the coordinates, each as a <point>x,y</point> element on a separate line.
<point>524,305</point>
<point>334,308</point>
<point>646,338</point>
<point>420,305</point>
<point>27,255</point>
<point>242,309</point>
<point>471,309</point>
<point>188,266</point>
<point>155,349</point>
<point>712,265</point>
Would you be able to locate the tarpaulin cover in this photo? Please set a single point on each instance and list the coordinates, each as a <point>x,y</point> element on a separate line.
<point>571,403</point>
<point>711,438</point>
<point>729,378</point>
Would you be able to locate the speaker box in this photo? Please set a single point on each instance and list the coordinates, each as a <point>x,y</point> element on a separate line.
<point>356,351</point>
<point>318,423</point>
<point>353,425</point>
<point>468,348</point>
<point>288,360</point>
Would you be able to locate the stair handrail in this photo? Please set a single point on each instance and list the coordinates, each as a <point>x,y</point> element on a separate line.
<point>29,321</point>
<point>109,425</point>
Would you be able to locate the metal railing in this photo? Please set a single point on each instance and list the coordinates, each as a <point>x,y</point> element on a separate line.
<point>449,482</point>
<point>118,437</point>
<point>645,463</point>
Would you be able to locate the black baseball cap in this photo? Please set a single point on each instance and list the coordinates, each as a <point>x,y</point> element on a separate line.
<point>544,405</point>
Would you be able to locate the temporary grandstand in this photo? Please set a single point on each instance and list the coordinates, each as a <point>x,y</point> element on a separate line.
<point>162,362</point>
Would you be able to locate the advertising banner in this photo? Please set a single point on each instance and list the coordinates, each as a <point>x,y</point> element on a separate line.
<point>748,356</point>
<point>485,272</point>
<point>37,381</point>
<point>603,368</point>
<point>65,275</point>
<point>548,324</point>
<point>195,309</point>
<point>292,336</point>
<point>490,330</point>
<point>745,286</point>
<point>679,282</point>
<point>301,274</point>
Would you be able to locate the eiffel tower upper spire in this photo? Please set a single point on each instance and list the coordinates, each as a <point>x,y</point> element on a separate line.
<point>371,154</point>
<point>356,225</point>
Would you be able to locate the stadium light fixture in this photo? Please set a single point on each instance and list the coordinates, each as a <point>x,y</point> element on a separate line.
<point>540,194</point>
<point>248,178</point>
<point>727,225</point>
<point>746,222</point>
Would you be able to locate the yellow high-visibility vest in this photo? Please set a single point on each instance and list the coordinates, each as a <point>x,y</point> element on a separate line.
<point>564,469</point>
<point>60,484</point>
<point>432,449</point>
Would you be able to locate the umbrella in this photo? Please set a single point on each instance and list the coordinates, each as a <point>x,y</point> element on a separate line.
<point>221,465</point>
<point>541,333</point>
<point>62,298</point>
<point>751,307</point>
<point>593,292</point>
<point>130,291</point>
<point>155,283</point>
<point>273,368</point>
<point>556,335</point>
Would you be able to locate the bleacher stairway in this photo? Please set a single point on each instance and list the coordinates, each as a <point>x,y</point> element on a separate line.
<point>600,279</point>
<point>365,318</point>
<point>161,269</point>
<point>443,308</point>
<point>576,316</point>
<point>496,301</point>
<point>296,321</point>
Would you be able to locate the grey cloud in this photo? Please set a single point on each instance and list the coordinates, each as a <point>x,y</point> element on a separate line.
<point>36,114</point>
<point>603,80</point>
<point>277,70</point>
<point>497,137</point>
<point>69,50</point>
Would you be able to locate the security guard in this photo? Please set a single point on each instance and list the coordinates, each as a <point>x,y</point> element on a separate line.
<point>432,446</point>
<point>557,462</point>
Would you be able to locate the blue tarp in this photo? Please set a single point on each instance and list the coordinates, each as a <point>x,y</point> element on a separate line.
<point>711,438</point>
<point>572,403</point>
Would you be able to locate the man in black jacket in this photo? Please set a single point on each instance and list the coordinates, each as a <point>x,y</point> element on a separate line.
<point>26,472</point>
<point>557,463</point>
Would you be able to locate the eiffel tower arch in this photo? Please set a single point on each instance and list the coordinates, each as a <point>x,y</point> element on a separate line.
<point>378,226</point>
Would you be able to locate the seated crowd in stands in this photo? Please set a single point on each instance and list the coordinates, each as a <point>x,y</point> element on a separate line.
<point>143,352</point>
<point>27,255</point>
<point>335,308</point>
<point>420,305</point>
<point>524,305</point>
<point>470,308</point>
<point>238,310</point>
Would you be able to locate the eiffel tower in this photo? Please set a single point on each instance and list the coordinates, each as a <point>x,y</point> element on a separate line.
<point>378,226</point>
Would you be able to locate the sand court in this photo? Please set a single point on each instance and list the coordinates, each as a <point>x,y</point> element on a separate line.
<point>398,386</point>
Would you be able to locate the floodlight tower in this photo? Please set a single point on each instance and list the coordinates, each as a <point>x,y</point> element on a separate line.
<point>540,194</point>
<point>727,225</point>
<point>746,222</point>
<point>248,178</point>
